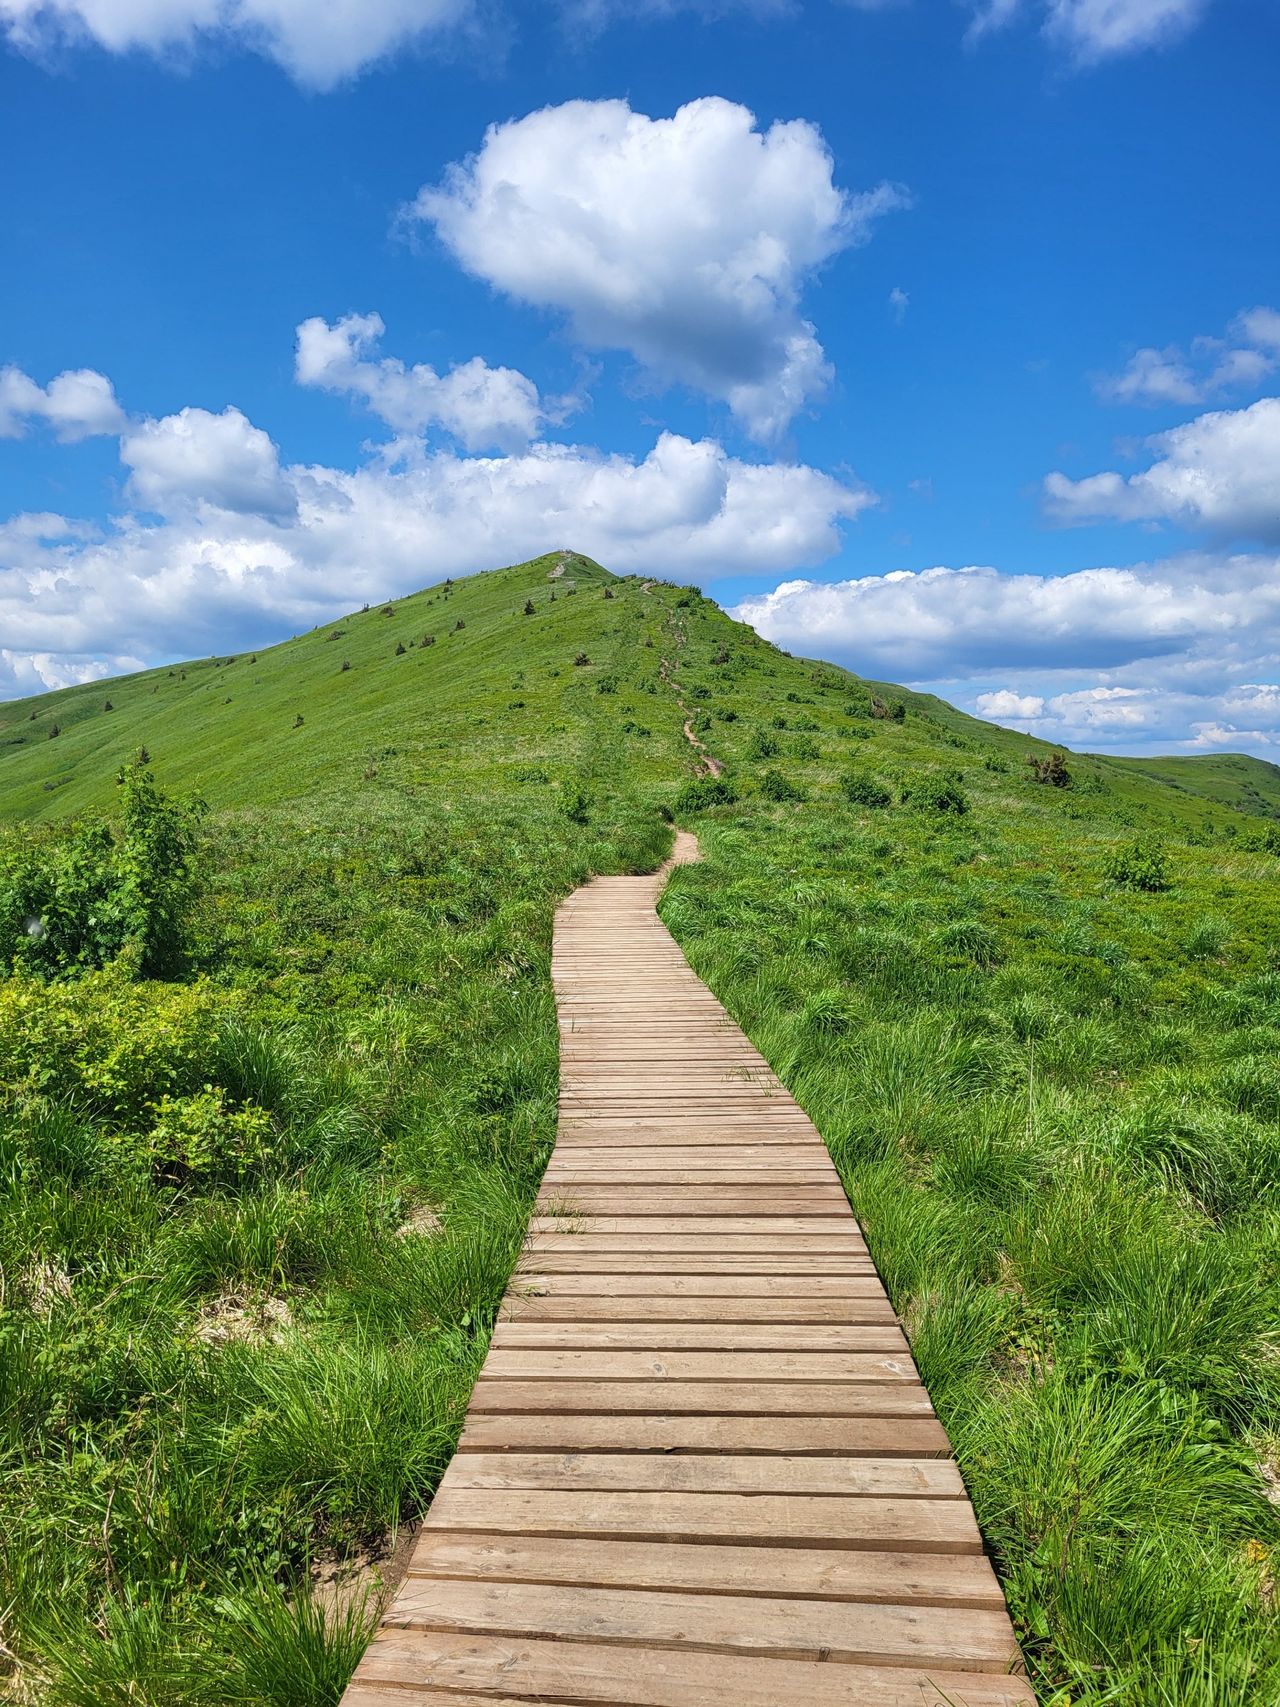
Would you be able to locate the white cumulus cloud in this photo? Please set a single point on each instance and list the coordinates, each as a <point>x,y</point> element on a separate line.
<point>1219,473</point>
<point>199,460</point>
<point>1244,358</point>
<point>1005,706</point>
<point>244,548</point>
<point>1129,659</point>
<point>317,44</point>
<point>481,406</point>
<point>684,241</point>
<point>78,404</point>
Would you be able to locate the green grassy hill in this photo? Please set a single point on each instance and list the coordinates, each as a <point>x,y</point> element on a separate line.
<point>1237,780</point>
<point>457,674</point>
<point>260,1209</point>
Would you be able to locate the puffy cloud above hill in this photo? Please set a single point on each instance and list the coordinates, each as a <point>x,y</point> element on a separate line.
<point>238,545</point>
<point>684,241</point>
<point>1153,655</point>
<point>481,406</point>
<point>198,461</point>
<point>1219,473</point>
<point>78,404</point>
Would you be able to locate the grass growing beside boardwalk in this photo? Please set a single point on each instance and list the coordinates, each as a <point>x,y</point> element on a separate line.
<point>256,1219</point>
<point>1055,1104</point>
<point>256,1216</point>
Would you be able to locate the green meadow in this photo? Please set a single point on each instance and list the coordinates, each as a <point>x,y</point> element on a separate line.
<point>278,1080</point>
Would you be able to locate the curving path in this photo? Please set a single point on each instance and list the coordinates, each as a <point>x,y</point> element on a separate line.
<point>698,1465</point>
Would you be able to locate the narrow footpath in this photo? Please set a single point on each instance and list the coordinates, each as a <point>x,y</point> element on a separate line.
<point>699,1465</point>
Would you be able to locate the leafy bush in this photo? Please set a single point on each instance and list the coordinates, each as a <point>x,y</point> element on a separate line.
<point>113,1044</point>
<point>1140,864</point>
<point>200,1137</point>
<point>1051,771</point>
<point>939,792</point>
<point>80,898</point>
<point>762,746</point>
<point>860,790</point>
<point>775,786</point>
<point>704,792</point>
<point>577,805</point>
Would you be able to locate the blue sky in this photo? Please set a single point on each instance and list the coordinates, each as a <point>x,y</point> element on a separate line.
<point>939,340</point>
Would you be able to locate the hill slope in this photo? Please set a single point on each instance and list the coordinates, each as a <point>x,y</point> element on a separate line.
<point>482,688</point>
<point>261,1212</point>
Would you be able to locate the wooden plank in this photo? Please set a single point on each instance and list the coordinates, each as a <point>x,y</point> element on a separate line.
<point>854,1281</point>
<point>873,1633</point>
<point>793,1265</point>
<point>661,1367</point>
<point>816,1574</point>
<point>593,1673</point>
<point>709,1398</point>
<point>775,1520</point>
<point>570,1431</point>
<point>802,1231</point>
<point>537,1332</point>
<point>636,1472</point>
<point>867,1316</point>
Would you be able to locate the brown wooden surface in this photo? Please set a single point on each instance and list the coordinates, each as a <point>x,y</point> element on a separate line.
<point>699,1464</point>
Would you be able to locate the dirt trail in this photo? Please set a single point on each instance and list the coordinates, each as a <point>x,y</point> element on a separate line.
<point>705,764</point>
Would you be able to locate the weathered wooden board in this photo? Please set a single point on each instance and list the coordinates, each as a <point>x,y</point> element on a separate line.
<point>699,1464</point>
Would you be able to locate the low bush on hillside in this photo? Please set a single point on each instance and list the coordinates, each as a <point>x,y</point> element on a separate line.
<point>762,745</point>
<point>704,792</point>
<point>861,790</point>
<point>1052,770</point>
<point>1140,864</point>
<point>936,792</point>
<point>776,785</point>
<point>76,899</point>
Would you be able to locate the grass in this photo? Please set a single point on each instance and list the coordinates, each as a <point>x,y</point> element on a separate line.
<point>255,1220</point>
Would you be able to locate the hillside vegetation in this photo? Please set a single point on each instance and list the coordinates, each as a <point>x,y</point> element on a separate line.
<point>279,1081</point>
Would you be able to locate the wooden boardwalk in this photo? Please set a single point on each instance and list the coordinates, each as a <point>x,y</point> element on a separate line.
<point>698,1465</point>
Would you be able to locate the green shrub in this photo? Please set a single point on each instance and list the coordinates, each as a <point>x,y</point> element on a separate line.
<point>1140,864</point>
<point>200,1137</point>
<point>77,899</point>
<point>577,805</point>
<point>775,786</point>
<point>704,792</point>
<point>114,1044</point>
<point>762,746</point>
<point>860,790</point>
<point>938,792</point>
<point>1051,770</point>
